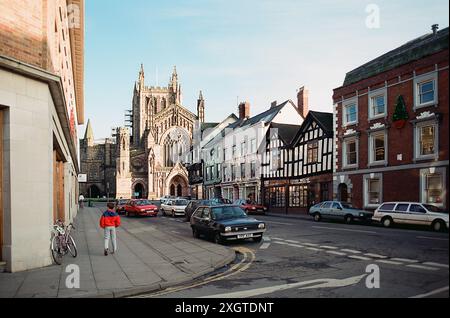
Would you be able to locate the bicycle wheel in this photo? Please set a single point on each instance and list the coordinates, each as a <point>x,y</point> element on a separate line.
<point>56,250</point>
<point>72,246</point>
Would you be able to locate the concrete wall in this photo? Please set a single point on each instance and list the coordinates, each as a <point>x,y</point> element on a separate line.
<point>30,126</point>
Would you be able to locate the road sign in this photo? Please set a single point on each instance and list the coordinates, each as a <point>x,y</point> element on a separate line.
<point>82,178</point>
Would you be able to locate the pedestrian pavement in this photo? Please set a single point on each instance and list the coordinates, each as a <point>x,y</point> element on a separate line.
<point>148,259</point>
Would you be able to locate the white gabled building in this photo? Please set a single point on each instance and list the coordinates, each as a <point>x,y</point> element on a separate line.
<point>232,160</point>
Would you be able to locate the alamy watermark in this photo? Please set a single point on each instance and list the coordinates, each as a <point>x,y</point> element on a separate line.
<point>373,18</point>
<point>373,279</point>
<point>73,279</point>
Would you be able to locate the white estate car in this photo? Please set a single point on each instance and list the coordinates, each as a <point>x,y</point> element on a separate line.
<point>411,213</point>
<point>174,207</point>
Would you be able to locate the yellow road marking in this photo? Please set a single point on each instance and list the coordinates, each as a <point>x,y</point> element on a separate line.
<point>235,269</point>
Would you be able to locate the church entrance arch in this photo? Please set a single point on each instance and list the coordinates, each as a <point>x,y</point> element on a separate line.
<point>138,192</point>
<point>179,186</point>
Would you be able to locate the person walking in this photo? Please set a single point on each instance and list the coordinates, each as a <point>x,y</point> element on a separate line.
<point>81,201</point>
<point>110,221</point>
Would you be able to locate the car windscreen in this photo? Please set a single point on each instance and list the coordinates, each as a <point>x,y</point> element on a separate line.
<point>180,202</point>
<point>434,208</point>
<point>143,202</point>
<point>227,213</point>
<point>121,202</point>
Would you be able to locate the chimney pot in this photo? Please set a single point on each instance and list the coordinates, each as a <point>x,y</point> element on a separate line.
<point>244,110</point>
<point>435,28</point>
<point>303,101</point>
<point>274,104</point>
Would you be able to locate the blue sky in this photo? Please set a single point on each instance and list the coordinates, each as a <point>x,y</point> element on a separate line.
<point>253,50</point>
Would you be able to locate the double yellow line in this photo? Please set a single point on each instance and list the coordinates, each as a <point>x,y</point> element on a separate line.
<point>244,264</point>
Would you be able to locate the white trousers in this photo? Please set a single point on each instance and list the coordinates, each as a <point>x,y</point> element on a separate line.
<point>110,235</point>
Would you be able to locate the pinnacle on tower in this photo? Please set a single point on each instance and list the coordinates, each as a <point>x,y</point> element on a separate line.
<point>200,97</point>
<point>89,134</point>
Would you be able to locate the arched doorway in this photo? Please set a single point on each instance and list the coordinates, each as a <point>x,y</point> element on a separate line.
<point>94,192</point>
<point>343,192</point>
<point>178,186</point>
<point>139,191</point>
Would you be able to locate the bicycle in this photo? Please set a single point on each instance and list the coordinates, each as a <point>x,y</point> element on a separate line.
<point>62,242</point>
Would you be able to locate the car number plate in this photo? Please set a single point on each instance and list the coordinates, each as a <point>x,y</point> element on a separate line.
<point>244,236</point>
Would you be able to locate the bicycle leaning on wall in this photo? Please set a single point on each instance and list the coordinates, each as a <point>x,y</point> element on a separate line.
<point>62,242</point>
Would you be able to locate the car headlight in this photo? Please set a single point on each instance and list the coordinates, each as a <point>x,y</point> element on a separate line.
<point>262,226</point>
<point>253,208</point>
<point>228,229</point>
<point>361,214</point>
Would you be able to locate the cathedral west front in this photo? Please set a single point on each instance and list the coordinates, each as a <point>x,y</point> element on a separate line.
<point>149,154</point>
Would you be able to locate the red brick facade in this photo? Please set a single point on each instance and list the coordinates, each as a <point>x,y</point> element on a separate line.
<point>401,175</point>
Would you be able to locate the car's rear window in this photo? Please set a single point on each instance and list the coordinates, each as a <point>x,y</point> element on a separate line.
<point>143,202</point>
<point>180,202</point>
<point>387,207</point>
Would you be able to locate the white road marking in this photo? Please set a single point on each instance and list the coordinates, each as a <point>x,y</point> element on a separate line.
<point>362,258</point>
<point>431,293</point>
<point>375,255</point>
<point>291,241</point>
<point>339,229</point>
<point>351,251</point>
<point>266,244</point>
<point>281,243</point>
<point>280,223</point>
<point>389,262</point>
<point>433,238</point>
<point>319,283</point>
<point>296,245</point>
<point>404,260</point>
<point>336,253</point>
<point>329,247</point>
<point>277,238</point>
<point>436,264</point>
<point>314,249</point>
<point>310,244</point>
<point>423,267</point>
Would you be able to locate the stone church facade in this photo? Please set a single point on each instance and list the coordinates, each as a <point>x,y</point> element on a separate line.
<point>98,161</point>
<point>150,155</point>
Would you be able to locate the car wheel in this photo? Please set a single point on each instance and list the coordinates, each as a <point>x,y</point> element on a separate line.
<point>348,219</point>
<point>387,222</point>
<point>195,233</point>
<point>438,226</point>
<point>317,217</point>
<point>218,238</point>
<point>257,239</point>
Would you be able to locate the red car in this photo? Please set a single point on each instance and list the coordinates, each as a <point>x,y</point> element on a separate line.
<point>140,208</point>
<point>250,206</point>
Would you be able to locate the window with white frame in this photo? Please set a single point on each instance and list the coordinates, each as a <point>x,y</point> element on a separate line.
<point>378,147</point>
<point>377,104</point>
<point>350,152</point>
<point>425,90</point>
<point>253,145</point>
<point>373,190</point>
<point>433,186</point>
<point>350,112</point>
<point>426,140</point>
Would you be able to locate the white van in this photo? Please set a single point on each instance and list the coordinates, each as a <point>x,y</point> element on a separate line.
<point>411,213</point>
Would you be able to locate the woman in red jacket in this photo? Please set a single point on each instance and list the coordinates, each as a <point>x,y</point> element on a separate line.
<point>109,221</point>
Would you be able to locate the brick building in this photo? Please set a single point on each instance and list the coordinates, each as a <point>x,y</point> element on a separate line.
<point>98,162</point>
<point>391,134</point>
<point>41,104</point>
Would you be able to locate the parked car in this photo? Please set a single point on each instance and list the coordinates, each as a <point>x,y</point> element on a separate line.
<point>391,213</point>
<point>140,208</point>
<point>194,204</point>
<point>226,223</point>
<point>251,206</point>
<point>165,198</point>
<point>120,206</point>
<point>339,210</point>
<point>174,207</point>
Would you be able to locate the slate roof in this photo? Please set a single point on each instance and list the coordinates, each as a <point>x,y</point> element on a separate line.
<point>414,50</point>
<point>286,132</point>
<point>324,120</point>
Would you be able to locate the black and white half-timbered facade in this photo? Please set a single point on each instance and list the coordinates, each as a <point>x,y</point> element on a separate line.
<point>297,166</point>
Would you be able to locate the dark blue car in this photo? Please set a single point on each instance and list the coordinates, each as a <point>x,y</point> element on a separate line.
<point>226,223</point>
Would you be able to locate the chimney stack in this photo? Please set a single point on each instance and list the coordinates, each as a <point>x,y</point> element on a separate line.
<point>274,104</point>
<point>303,101</point>
<point>244,110</point>
<point>435,28</point>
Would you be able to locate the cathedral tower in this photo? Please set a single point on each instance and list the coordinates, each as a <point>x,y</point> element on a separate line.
<point>201,108</point>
